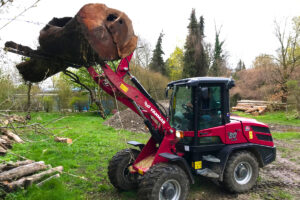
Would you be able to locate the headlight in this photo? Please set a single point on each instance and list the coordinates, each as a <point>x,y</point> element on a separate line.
<point>179,134</point>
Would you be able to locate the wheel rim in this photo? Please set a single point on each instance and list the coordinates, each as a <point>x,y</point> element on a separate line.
<point>243,173</point>
<point>170,190</point>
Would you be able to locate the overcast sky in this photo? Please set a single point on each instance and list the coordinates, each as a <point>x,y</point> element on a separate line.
<point>247,26</point>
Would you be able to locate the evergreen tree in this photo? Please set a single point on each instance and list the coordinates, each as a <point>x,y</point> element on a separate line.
<point>195,58</point>
<point>157,63</point>
<point>240,66</point>
<point>218,57</point>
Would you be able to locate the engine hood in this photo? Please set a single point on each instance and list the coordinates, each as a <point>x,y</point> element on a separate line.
<point>246,120</point>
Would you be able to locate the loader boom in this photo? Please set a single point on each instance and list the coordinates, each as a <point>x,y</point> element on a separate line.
<point>136,98</point>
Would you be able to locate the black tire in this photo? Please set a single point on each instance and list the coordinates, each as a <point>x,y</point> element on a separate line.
<point>241,172</point>
<point>171,176</point>
<point>118,172</point>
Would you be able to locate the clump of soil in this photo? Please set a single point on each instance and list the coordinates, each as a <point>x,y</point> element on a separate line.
<point>129,120</point>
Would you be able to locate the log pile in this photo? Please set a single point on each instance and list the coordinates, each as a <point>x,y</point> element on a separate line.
<point>256,107</point>
<point>95,34</point>
<point>21,174</point>
<point>8,137</point>
<point>251,107</point>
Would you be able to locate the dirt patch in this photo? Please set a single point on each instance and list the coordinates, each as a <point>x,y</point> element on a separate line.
<point>283,128</point>
<point>279,180</point>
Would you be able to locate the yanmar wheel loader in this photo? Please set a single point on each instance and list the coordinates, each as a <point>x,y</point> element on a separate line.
<point>197,136</point>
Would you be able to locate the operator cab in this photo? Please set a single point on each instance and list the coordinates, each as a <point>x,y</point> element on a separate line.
<point>199,103</point>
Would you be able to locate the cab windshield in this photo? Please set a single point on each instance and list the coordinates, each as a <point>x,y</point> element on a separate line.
<point>181,108</point>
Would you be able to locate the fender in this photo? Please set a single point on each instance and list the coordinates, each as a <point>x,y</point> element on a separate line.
<point>180,162</point>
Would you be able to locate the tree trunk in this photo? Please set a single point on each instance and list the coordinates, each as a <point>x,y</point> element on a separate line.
<point>28,97</point>
<point>27,181</point>
<point>95,34</point>
<point>21,171</point>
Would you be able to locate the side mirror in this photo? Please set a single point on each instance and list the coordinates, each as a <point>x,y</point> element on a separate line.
<point>167,92</point>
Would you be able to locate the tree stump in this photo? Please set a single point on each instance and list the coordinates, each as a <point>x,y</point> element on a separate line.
<point>96,34</point>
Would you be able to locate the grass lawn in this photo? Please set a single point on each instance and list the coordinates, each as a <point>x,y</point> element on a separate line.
<point>272,118</point>
<point>93,146</point>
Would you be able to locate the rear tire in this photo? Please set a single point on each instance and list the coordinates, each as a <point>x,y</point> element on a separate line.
<point>241,172</point>
<point>164,182</point>
<point>118,172</point>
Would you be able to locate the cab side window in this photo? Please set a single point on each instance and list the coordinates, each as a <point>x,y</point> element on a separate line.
<point>210,111</point>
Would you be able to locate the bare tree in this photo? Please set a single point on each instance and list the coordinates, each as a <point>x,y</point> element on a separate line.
<point>287,58</point>
<point>142,55</point>
<point>92,93</point>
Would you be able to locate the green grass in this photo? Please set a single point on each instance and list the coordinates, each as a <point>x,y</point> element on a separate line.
<point>93,146</point>
<point>272,118</point>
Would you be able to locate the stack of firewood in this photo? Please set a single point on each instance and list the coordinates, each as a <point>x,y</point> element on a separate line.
<point>22,174</point>
<point>252,107</point>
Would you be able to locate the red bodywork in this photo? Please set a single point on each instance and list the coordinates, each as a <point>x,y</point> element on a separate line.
<point>113,83</point>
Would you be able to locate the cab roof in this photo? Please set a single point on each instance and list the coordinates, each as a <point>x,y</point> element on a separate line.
<point>202,80</point>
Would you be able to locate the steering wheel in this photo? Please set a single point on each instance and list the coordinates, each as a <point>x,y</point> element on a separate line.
<point>187,108</point>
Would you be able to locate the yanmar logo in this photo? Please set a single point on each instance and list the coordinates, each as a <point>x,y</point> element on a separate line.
<point>155,113</point>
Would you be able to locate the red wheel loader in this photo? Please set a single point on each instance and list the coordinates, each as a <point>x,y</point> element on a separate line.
<point>197,136</point>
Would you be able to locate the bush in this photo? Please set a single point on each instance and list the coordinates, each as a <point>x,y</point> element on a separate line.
<point>48,103</point>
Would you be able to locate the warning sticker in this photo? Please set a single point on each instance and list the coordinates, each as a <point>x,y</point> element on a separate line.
<point>197,164</point>
<point>250,135</point>
<point>124,88</point>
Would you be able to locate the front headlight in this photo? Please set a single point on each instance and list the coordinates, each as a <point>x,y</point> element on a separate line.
<point>179,134</point>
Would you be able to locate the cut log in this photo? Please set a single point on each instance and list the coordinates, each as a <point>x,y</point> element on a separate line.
<point>5,143</point>
<point>96,34</point>
<point>2,151</point>
<point>11,135</point>
<point>21,171</point>
<point>250,110</point>
<point>11,165</point>
<point>63,140</point>
<point>26,181</point>
<point>8,142</point>
<point>240,108</point>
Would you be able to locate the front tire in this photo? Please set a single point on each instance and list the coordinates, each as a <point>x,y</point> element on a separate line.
<point>118,172</point>
<point>241,172</point>
<point>164,182</point>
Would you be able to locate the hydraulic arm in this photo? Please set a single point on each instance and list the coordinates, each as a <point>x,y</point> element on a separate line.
<point>136,98</point>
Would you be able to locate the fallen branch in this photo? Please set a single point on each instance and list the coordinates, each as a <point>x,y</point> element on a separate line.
<point>48,179</point>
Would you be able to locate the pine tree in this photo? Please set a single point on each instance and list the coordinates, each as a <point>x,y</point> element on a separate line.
<point>240,66</point>
<point>195,58</point>
<point>218,57</point>
<point>157,63</point>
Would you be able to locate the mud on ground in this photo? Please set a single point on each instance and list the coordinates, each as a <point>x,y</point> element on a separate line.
<point>278,180</point>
